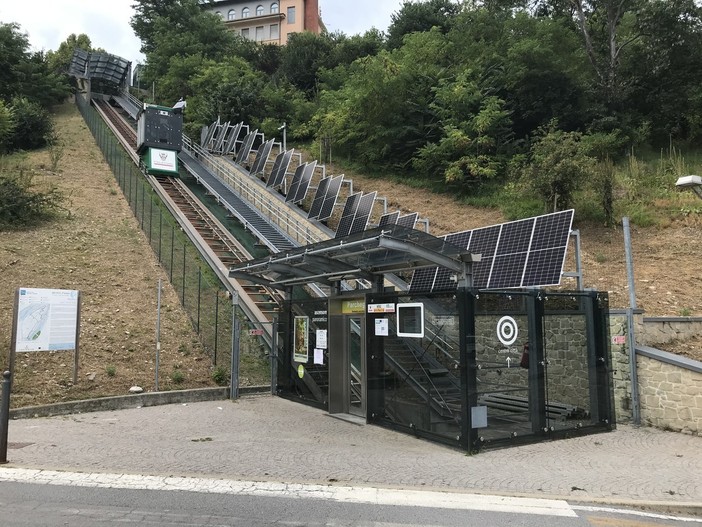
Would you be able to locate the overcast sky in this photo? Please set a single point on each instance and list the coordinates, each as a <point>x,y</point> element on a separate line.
<point>50,22</point>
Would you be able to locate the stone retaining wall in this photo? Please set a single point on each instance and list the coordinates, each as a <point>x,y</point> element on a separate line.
<point>670,387</point>
<point>670,395</point>
<point>654,331</point>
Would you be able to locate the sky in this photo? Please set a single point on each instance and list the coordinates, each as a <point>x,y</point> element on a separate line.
<point>49,22</point>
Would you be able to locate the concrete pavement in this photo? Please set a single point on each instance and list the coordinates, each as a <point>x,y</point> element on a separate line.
<point>265,438</point>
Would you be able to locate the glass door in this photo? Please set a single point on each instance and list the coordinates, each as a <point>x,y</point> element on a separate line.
<point>354,353</point>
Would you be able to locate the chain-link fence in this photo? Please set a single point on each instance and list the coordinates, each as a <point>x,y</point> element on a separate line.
<point>203,296</point>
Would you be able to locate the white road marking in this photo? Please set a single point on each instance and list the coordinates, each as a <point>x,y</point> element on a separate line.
<point>405,498</point>
<point>627,512</point>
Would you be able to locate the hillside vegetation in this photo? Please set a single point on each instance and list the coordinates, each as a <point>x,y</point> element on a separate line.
<point>97,247</point>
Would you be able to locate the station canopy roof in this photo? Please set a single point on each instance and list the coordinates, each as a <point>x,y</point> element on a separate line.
<point>102,66</point>
<point>364,255</point>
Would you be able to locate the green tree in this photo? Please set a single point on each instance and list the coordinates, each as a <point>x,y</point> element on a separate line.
<point>302,58</point>
<point>557,168</point>
<point>383,115</point>
<point>178,29</point>
<point>229,90</point>
<point>14,47</point>
<point>58,61</point>
<point>143,22</point>
<point>419,16</point>
<point>475,132</point>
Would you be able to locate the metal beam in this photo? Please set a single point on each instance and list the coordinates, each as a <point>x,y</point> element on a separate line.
<point>421,252</point>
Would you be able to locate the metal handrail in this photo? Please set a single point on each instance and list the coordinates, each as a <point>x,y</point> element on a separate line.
<point>278,213</point>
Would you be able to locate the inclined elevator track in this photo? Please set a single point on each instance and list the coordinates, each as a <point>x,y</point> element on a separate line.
<point>220,241</point>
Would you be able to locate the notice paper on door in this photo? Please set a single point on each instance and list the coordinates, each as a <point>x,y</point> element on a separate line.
<point>322,338</point>
<point>381,327</point>
<point>318,356</point>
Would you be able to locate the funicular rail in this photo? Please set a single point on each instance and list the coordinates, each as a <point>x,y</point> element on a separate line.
<point>214,242</point>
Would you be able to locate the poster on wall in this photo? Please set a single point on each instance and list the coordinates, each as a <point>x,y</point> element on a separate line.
<point>301,339</point>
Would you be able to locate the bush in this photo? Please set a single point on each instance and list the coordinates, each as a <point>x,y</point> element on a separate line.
<point>220,375</point>
<point>33,125</point>
<point>7,126</point>
<point>22,203</point>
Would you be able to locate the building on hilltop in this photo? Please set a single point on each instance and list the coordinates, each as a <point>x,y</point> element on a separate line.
<point>268,21</point>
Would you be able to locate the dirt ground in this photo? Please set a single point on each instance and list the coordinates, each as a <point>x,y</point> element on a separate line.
<point>101,251</point>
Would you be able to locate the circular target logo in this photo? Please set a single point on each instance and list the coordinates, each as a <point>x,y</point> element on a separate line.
<point>507,330</point>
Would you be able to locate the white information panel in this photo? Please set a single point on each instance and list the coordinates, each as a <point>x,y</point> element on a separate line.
<point>47,319</point>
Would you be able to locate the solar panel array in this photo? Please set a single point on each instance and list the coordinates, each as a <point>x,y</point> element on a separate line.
<point>318,199</point>
<point>523,253</point>
<point>262,155</point>
<point>363,212</point>
<point>330,198</point>
<point>347,215</point>
<point>280,168</point>
<point>246,147</point>
<point>389,219</point>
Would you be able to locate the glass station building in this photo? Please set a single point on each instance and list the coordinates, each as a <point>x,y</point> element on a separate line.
<point>471,354</point>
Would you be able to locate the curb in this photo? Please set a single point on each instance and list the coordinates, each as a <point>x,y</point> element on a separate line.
<point>123,402</point>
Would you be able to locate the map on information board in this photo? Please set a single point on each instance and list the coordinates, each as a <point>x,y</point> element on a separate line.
<point>47,319</point>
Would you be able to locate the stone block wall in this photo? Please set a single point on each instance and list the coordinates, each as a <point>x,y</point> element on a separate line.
<point>671,396</point>
<point>654,331</point>
<point>621,371</point>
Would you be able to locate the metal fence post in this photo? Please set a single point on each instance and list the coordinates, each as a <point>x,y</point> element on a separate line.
<point>234,377</point>
<point>4,416</point>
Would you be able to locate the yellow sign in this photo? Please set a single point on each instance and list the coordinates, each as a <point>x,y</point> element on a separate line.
<point>301,371</point>
<point>349,307</point>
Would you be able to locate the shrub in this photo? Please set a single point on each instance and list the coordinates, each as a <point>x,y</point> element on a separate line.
<point>220,375</point>
<point>7,126</point>
<point>22,202</point>
<point>33,125</point>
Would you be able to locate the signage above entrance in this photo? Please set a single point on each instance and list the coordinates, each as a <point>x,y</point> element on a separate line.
<point>352,307</point>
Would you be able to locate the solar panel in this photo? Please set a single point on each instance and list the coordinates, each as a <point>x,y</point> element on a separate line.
<point>523,253</point>
<point>389,218</point>
<point>347,215</point>
<point>318,200</point>
<point>409,220</point>
<point>304,185</point>
<point>204,132</point>
<point>278,174</point>
<point>423,280</point>
<point>262,155</point>
<point>484,242</point>
<point>230,144</point>
<point>246,147</point>
<point>363,212</point>
<point>330,198</point>
<point>219,142</point>
<point>297,178</point>
<point>444,279</point>
<point>210,135</point>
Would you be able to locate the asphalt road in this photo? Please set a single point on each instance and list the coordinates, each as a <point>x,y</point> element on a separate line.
<point>49,505</point>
